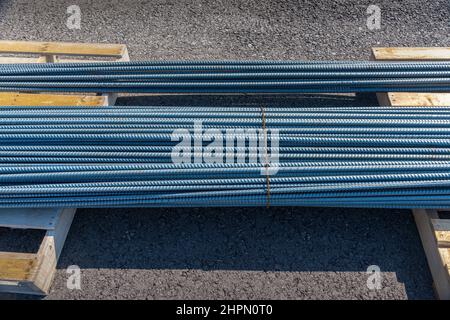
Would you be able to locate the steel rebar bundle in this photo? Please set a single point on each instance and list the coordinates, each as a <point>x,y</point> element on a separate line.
<point>227,76</point>
<point>130,156</point>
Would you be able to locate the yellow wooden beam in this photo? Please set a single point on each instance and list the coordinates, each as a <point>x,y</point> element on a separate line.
<point>63,48</point>
<point>413,53</point>
<point>17,266</point>
<point>416,99</point>
<point>30,99</point>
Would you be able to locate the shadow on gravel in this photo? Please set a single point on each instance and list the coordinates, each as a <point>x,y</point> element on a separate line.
<point>269,100</point>
<point>253,239</point>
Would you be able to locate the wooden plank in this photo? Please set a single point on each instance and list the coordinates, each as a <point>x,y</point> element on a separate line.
<point>414,99</point>
<point>442,232</point>
<point>59,234</point>
<point>437,266</point>
<point>62,48</point>
<point>17,266</point>
<point>32,99</point>
<point>10,60</point>
<point>50,251</point>
<point>40,219</point>
<point>412,53</point>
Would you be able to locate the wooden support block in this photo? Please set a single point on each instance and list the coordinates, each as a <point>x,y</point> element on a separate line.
<point>63,48</point>
<point>50,251</point>
<point>39,99</point>
<point>10,60</point>
<point>411,54</point>
<point>49,53</point>
<point>17,266</point>
<point>414,99</point>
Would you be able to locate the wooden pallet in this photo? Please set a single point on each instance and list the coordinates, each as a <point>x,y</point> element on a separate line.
<point>32,273</point>
<point>434,231</point>
<point>45,52</point>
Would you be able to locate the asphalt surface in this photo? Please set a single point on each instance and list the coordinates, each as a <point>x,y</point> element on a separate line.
<point>276,253</point>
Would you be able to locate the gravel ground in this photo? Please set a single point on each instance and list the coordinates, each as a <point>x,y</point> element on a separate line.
<point>277,253</point>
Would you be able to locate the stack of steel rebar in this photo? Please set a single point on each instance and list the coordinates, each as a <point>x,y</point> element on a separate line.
<point>224,156</point>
